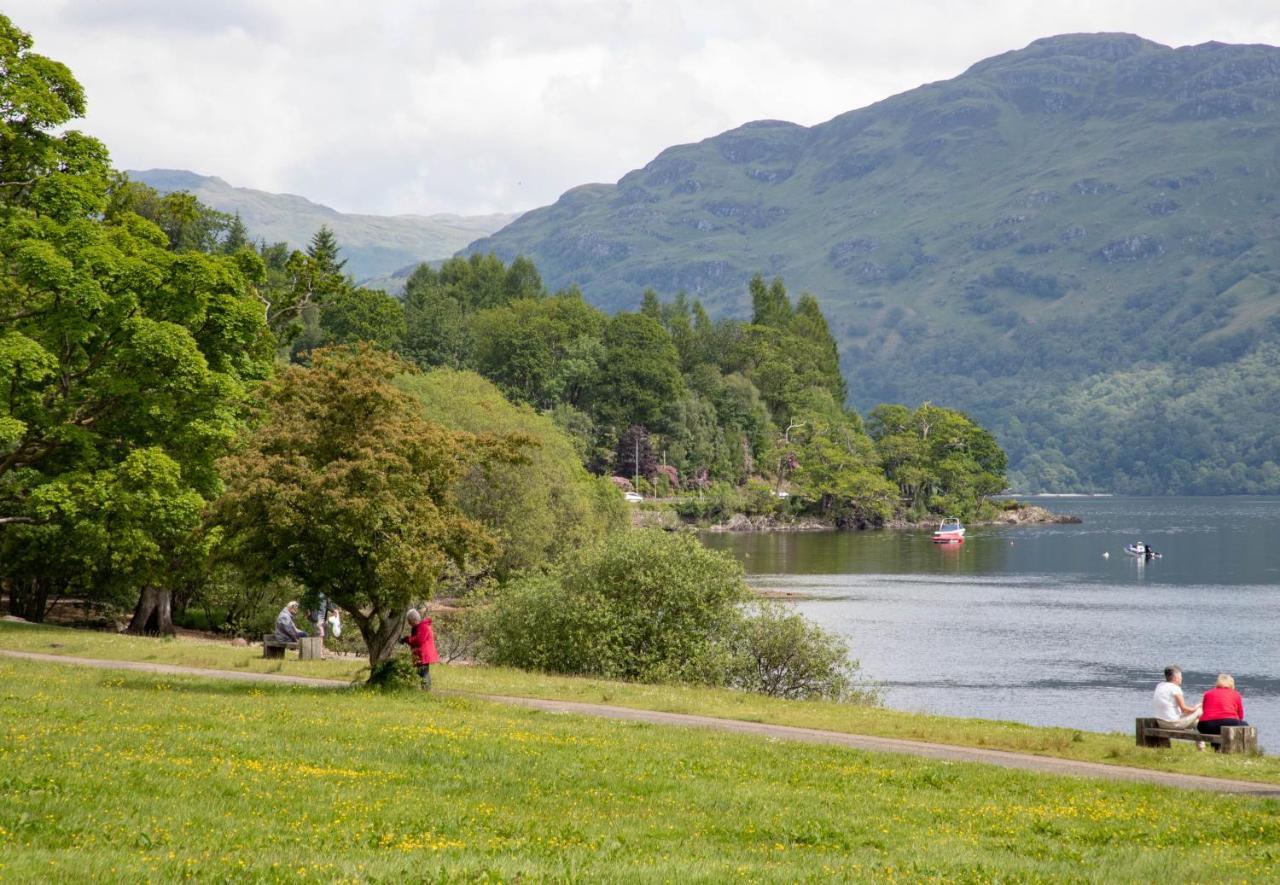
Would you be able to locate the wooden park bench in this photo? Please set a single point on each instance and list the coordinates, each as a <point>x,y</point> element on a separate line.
<point>275,648</point>
<point>1234,738</point>
<point>309,648</point>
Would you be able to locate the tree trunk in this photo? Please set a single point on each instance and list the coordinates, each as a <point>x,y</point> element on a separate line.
<point>29,600</point>
<point>154,613</point>
<point>381,631</point>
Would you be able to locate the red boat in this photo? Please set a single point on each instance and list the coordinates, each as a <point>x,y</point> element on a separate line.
<point>949,532</point>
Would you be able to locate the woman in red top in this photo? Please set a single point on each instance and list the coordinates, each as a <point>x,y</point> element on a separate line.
<point>1222,706</point>
<point>423,642</point>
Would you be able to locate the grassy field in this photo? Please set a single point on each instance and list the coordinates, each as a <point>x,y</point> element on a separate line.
<point>127,777</point>
<point>1062,742</point>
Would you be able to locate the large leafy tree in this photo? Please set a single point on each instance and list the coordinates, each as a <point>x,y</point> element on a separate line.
<point>536,510</point>
<point>123,364</point>
<point>346,487</point>
<point>640,374</point>
<point>939,458</point>
<point>834,464</point>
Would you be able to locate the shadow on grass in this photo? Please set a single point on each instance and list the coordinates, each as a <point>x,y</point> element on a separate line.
<point>196,685</point>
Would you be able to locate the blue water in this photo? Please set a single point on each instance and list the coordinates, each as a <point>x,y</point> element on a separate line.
<point>1033,624</point>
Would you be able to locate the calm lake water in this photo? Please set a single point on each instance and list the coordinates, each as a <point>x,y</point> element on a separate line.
<point>1033,624</point>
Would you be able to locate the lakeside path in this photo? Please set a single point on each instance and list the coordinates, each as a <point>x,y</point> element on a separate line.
<point>944,752</point>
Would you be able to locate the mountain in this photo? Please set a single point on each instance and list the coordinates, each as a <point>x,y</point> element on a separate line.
<point>374,245</point>
<point>1077,242</point>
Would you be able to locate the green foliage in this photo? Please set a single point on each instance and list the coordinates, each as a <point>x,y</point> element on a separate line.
<point>356,315</point>
<point>538,509</point>
<point>720,501</point>
<point>645,605</point>
<point>834,464</point>
<point>940,460</point>
<point>778,652</point>
<point>639,376</point>
<point>346,488</point>
<point>396,673</point>
<point>124,363</point>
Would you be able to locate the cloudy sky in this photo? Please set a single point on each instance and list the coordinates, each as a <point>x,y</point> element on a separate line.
<point>392,106</point>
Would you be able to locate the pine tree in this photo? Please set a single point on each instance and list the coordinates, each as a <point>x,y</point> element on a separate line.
<point>237,235</point>
<point>324,251</point>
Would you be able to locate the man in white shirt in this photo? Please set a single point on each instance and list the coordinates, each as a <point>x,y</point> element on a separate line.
<point>1171,709</point>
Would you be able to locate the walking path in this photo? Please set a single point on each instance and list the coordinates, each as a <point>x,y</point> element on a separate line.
<point>1002,758</point>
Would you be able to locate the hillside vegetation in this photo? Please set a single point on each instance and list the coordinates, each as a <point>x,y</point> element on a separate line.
<point>375,246</point>
<point>1074,242</point>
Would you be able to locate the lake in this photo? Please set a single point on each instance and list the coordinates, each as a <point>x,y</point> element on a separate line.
<point>1033,624</point>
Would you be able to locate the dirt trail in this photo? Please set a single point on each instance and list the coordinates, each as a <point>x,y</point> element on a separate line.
<point>1002,758</point>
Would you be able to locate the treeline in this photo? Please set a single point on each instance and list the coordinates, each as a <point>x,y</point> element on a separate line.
<point>665,397</point>
<point>750,416</point>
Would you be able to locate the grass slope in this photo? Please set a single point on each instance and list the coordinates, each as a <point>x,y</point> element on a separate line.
<point>120,777</point>
<point>375,246</point>
<point>1066,743</point>
<point>1057,221</point>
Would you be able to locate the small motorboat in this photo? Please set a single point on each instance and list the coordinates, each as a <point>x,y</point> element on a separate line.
<point>1141,550</point>
<point>949,532</point>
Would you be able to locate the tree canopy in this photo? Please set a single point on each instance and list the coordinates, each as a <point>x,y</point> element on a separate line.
<point>346,487</point>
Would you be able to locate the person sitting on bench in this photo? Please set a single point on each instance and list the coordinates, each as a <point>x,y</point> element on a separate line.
<point>286,629</point>
<point>1171,709</point>
<point>1222,706</point>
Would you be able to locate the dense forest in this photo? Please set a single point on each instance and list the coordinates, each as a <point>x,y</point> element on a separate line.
<point>190,419</point>
<point>664,398</point>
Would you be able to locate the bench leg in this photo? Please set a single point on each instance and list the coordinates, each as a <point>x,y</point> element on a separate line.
<point>273,651</point>
<point>1239,740</point>
<point>1145,740</point>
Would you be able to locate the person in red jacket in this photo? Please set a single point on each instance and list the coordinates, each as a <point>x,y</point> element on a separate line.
<point>422,640</point>
<point>1222,706</point>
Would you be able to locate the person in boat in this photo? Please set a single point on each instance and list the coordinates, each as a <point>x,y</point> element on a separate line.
<point>1170,705</point>
<point>1222,706</point>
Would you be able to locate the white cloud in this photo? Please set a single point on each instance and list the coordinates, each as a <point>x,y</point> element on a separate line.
<point>403,106</point>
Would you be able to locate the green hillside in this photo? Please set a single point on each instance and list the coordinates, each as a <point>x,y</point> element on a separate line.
<point>1076,242</point>
<point>375,246</point>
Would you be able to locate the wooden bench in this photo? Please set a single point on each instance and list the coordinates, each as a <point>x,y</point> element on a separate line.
<point>275,648</point>
<point>1234,738</point>
<point>309,648</point>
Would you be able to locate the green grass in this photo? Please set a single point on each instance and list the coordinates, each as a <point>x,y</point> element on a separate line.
<point>108,776</point>
<point>1066,743</point>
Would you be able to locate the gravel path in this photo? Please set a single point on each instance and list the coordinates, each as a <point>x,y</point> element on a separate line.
<point>1002,758</point>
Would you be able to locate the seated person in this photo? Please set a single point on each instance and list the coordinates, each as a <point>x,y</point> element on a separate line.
<point>286,629</point>
<point>1222,706</point>
<point>1171,709</point>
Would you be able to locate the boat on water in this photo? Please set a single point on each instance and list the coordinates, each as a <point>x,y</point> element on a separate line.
<point>951,531</point>
<point>1142,550</point>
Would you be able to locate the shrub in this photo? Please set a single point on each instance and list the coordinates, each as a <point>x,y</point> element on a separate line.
<point>397,673</point>
<point>644,605</point>
<point>720,501</point>
<point>759,499</point>
<point>458,631</point>
<point>777,651</point>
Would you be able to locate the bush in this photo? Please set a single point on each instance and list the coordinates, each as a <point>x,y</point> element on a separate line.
<point>779,652</point>
<point>644,605</point>
<point>396,674</point>
<point>719,502</point>
<point>759,499</point>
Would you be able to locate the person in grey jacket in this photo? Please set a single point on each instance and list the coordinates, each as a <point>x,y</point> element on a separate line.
<point>286,629</point>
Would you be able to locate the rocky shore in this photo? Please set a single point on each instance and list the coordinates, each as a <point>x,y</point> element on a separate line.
<point>1023,514</point>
